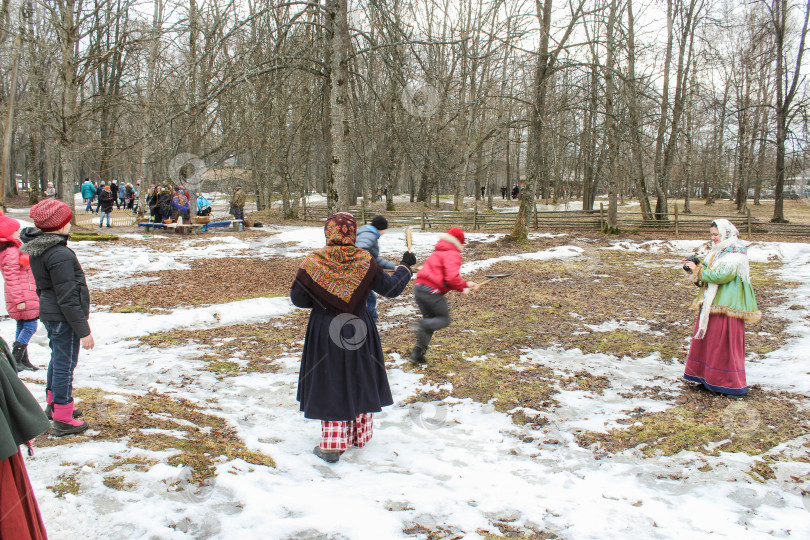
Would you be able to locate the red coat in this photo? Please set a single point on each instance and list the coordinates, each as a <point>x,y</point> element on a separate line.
<point>441,269</point>
<point>19,284</point>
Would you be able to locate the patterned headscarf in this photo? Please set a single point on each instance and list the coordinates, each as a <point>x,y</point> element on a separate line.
<point>339,275</point>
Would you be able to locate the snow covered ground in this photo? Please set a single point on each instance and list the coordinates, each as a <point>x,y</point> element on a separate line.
<point>454,465</point>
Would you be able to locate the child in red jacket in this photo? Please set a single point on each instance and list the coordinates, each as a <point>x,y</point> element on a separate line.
<point>22,302</point>
<point>439,275</point>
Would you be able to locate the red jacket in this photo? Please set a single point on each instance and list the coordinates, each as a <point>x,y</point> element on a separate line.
<point>19,283</point>
<point>441,269</point>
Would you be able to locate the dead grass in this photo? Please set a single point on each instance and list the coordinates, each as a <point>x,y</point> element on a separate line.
<point>706,423</point>
<point>208,281</point>
<point>158,422</point>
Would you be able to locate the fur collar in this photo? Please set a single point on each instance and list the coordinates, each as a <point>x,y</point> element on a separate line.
<point>452,239</point>
<point>38,242</point>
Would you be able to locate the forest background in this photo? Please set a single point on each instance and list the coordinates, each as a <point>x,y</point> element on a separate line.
<point>654,99</point>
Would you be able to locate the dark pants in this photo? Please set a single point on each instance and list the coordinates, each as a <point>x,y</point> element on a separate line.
<point>65,346</point>
<point>371,306</point>
<point>238,213</point>
<point>435,315</point>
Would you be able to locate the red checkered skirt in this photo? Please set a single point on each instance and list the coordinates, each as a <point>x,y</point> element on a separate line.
<point>340,435</point>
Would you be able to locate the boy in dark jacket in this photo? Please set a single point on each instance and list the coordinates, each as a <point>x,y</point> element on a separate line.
<point>368,237</point>
<point>64,307</point>
<point>438,276</point>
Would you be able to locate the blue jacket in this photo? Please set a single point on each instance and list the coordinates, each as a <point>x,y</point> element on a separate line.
<point>368,238</point>
<point>88,190</point>
<point>202,203</point>
<point>122,191</point>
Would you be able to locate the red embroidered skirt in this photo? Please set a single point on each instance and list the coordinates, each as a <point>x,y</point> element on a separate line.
<point>19,513</point>
<point>718,360</point>
<point>340,435</point>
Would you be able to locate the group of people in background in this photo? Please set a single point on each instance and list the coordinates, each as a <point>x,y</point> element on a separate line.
<point>107,194</point>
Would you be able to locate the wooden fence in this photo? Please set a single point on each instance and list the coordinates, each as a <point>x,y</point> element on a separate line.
<point>565,221</point>
<point>118,218</point>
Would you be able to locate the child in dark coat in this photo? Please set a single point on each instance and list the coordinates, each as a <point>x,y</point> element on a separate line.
<point>64,307</point>
<point>438,276</point>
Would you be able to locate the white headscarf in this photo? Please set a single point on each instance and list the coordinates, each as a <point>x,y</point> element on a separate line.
<point>728,254</point>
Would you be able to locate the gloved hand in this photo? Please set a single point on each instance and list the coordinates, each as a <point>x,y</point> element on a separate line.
<point>408,259</point>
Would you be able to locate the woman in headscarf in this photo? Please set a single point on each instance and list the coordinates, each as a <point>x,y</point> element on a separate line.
<point>726,302</point>
<point>180,204</point>
<point>342,381</point>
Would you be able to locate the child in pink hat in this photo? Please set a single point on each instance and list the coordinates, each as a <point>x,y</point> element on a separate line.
<point>22,302</point>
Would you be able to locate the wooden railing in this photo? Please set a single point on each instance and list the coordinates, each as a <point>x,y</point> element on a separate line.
<point>565,220</point>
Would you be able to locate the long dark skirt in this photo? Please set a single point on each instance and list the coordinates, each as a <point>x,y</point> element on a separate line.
<point>343,368</point>
<point>718,360</point>
<point>19,513</point>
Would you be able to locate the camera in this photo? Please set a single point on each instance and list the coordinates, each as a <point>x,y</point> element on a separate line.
<point>691,258</point>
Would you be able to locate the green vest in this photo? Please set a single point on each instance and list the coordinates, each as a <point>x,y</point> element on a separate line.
<point>22,418</point>
<point>734,297</point>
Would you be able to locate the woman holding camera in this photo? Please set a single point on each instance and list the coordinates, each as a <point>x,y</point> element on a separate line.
<point>725,302</point>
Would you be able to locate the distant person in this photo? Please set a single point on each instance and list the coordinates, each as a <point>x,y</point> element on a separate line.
<point>122,194</point>
<point>180,204</point>
<point>515,191</point>
<point>99,189</point>
<point>368,237</point>
<point>50,191</point>
<point>483,190</point>
<point>165,203</point>
<point>203,206</point>
<point>238,203</point>
<point>88,194</point>
<point>130,196</point>
<point>105,203</point>
<point>114,191</point>
<point>64,307</point>
<point>22,302</point>
<point>21,420</point>
<point>152,203</point>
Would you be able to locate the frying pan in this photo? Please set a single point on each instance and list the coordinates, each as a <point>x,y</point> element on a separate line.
<point>496,275</point>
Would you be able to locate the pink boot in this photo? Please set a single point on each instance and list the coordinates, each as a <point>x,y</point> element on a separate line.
<point>49,407</point>
<point>63,421</point>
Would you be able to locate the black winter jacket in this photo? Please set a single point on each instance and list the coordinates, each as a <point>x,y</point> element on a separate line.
<point>62,289</point>
<point>106,200</point>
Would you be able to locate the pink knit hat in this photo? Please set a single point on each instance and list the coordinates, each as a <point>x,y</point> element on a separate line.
<point>7,227</point>
<point>50,215</point>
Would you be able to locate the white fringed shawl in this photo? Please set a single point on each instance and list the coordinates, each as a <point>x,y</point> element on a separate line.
<point>727,255</point>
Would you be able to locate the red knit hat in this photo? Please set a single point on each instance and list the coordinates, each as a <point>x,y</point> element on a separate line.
<point>457,232</point>
<point>50,215</point>
<point>7,227</point>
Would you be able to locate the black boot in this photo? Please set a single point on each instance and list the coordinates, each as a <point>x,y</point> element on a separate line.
<point>329,457</point>
<point>420,349</point>
<point>26,363</point>
<point>18,352</point>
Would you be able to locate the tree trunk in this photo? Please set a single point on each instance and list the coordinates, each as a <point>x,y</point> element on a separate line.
<point>338,101</point>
